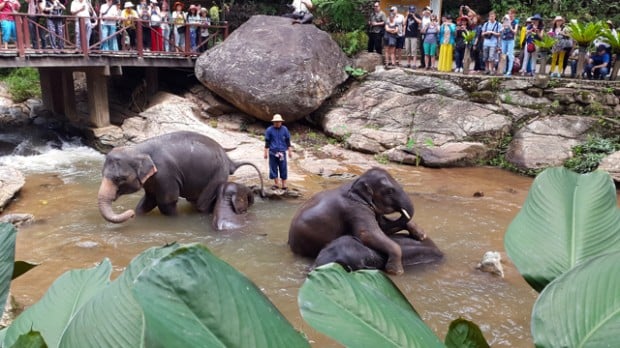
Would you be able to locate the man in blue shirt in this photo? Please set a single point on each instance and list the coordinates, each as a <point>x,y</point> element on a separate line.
<point>598,65</point>
<point>277,143</point>
<point>490,45</point>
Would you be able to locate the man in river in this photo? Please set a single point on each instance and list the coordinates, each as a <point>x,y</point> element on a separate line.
<point>277,144</point>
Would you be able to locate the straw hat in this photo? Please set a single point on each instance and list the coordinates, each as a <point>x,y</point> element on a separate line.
<point>177,4</point>
<point>558,18</point>
<point>277,118</point>
<point>128,4</point>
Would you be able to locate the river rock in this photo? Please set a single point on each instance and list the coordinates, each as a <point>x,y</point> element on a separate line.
<point>11,181</point>
<point>491,262</point>
<point>548,141</point>
<point>269,65</point>
<point>17,219</point>
<point>367,61</point>
<point>447,155</point>
<point>392,108</point>
<point>611,164</point>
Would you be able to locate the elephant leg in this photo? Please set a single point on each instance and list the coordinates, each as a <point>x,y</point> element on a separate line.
<point>207,198</point>
<point>383,243</point>
<point>169,209</point>
<point>146,204</point>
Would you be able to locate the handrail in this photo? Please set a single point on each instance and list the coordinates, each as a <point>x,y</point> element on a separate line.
<point>23,44</point>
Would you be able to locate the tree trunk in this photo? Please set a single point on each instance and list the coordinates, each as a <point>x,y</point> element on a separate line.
<point>467,60</point>
<point>544,54</point>
<point>616,67</point>
<point>581,62</point>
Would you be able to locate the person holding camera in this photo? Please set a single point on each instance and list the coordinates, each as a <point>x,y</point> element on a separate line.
<point>7,21</point>
<point>55,25</point>
<point>81,9</point>
<point>533,32</point>
<point>376,25</point>
<point>490,45</point>
<point>412,32</point>
<point>465,11</point>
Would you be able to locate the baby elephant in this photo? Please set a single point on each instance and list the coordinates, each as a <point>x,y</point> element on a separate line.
<point>352,254</point>
<point>231,204</point>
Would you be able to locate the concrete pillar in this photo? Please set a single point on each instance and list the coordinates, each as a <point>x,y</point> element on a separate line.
<point>68,95</point>
<point>98,107</point>
<point>51,95</point>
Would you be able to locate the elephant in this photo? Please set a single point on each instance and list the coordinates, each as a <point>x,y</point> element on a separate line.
<point>179,164</point>
<point>232,203</point>
<point>352,254</point>
<point>357,208</point>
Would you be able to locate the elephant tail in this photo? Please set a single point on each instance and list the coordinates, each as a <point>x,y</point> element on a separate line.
<point>237,165</point>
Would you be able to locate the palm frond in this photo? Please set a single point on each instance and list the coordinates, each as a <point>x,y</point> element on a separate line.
<point>584,34</point>
<point>546,42</point>
<point>469,36</point>
<point>613,40</point>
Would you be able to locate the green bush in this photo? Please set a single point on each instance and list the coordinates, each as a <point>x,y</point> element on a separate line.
<point>23,83</point>
<point>341,15</point>
<point>351,42</point>
<point>587,156</point>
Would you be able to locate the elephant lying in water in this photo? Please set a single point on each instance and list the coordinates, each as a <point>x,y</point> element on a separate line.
<point>352,254</point>
<point>231,205</point>
<point>356,208</point>
<point>180,164</point>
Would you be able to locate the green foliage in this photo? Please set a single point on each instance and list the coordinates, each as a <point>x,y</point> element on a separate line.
<point>613,40</point>
<point>341,15</point>
<point>584,34</point>
<point>23,83</point>
<point>566,219</point>
<point>469,36</point>
<point>352,42</point>
<point>382,158</point>
<point>7,260</point>
<point>464,333</point>
<point>587,156</point>
<point>546,42</point>
<point>357,73</point>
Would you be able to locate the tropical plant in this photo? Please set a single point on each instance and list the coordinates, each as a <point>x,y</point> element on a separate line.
<point>176,295</point>
<point>351,42</point>
<point>583,35</point>
<point>341,15</point>
<point>614,41</point>
<point>23,83</point>
<point>587,156</point>
<point>357,73</point>
<point>545,44</point>
<point>469,37</point>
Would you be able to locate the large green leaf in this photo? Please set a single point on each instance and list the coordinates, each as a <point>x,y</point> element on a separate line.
<point>32,339</point>
<point>581,308</point>
<point>566,219</point>
<point>113,317</point>
<point>7,260</point>
<point>362,309</point>
<point>465,334</point>
<point>61,302</point>
<point>191,298</point>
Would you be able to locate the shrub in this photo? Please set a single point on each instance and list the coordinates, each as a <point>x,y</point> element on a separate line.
<point>351,42</point>
<point>341,15</point>
<point>23,83</point>
<point>587,156</point>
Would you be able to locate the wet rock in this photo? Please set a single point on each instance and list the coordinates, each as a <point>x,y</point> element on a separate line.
<point>491,262</point>
<point>585,97</point>
<point>540,81</point>
<point>279,70</point>
<point>521,98</point>
<point>611,164</point>
<point>87,244</point>
<point>548,141</point>
<point>562,95</point>
<point>367,61</point>
<point>17,219</point>
<point>11,181</point>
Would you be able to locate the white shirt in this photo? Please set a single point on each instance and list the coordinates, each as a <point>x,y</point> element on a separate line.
<point>76,5</point>
<point>111,12</point>
<point>400,22</point>
<point>299,6</point>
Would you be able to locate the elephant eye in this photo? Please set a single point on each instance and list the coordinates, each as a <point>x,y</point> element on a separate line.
<point>390,191</point>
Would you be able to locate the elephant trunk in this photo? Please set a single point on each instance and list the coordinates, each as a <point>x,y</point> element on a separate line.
<point>107,194</point>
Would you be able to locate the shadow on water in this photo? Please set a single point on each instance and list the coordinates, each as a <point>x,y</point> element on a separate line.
<point>61,192</point>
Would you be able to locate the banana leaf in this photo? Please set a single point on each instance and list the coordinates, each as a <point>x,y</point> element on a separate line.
<point>581,308</point>
<point>362,309</point>
<point>465,334</point>
<point>7,260</point>
<point>566,219</point>
<point>191,298</point>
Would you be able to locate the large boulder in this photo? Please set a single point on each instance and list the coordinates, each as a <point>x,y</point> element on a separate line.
<point>268,65</point>
<point>611,164</point>
<point>11,181</point>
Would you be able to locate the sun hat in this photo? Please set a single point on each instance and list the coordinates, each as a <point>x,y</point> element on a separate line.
<point>177,4</point>
<point>128,4</point>
<point>537,17</point>
<point>558,18</point>
<point>393,8</point>
<point>277,118</point>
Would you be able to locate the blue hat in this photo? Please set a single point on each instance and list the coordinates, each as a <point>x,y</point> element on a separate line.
<point>412,8</point>
<point>537,17</point>
<point>601,47</point>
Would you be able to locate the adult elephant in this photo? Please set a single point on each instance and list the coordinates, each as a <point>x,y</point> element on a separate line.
<point>180,164</point>
<point>352,254</point>
<point>232,203</point>
<point>356,208</point>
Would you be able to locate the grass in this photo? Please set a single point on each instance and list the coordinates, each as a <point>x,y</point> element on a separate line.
<point>22,83</point>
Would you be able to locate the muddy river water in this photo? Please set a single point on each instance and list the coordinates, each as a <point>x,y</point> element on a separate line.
<point>61,192</point>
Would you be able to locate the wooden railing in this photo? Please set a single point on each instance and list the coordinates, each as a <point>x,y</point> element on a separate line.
<point>23,45</point>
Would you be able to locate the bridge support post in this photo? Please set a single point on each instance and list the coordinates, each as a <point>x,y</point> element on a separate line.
<point>58,93</point>
<point>151,76</point>
<point>98,108</point>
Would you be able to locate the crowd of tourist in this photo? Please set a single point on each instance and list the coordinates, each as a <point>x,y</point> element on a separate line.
<point>115,24</point>
<point>441,45</point>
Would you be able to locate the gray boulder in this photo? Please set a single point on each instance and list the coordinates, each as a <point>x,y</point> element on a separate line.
<point>11,181</point>
<point>269,65</point>
<point>611,164</point>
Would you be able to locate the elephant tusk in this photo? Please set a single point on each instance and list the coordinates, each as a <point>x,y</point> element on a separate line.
<point>406,214</point>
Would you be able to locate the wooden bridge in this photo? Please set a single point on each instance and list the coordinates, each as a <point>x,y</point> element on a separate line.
<point>57,65</point>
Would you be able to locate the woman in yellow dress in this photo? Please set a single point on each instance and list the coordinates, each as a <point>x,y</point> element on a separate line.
<point>447,37</point>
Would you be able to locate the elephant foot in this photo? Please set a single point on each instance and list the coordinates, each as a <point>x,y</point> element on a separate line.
<point>394,268</point>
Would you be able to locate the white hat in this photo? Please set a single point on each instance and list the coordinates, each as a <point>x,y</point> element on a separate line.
<point>153,1</point>
<point>558,18</point>
<point>277,118</point>
<point>393,8</point>
<point>128,4</point>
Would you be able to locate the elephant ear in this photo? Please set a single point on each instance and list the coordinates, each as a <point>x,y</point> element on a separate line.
<point>145,168</point>
<point>361,188</point>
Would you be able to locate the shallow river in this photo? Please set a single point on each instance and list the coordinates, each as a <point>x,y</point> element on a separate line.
<point>61,192</point>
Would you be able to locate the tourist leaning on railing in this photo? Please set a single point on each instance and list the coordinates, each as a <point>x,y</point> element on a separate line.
<point>7,21</point>
<point>193,19</point>
<point>165,25</point>
<point>80,8</point>
<point>37,35</point>
<point>108,14</point>
<point>157,40</point>
<point>204,29</point>
<point>179,19</point>
<point>128,16</point>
